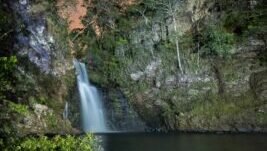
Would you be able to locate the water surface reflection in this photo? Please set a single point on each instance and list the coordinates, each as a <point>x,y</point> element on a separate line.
<point>184,142</point>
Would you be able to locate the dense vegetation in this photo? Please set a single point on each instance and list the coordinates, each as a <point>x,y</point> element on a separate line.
<point>43,143</point>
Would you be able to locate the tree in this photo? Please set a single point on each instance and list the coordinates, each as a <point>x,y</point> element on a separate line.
<point>169,9</point>
<point>217,44</point>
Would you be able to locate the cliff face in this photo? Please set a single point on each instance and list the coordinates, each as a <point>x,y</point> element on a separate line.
<point>187,65</point>
<point>182,65</point>
<point>44,73</point>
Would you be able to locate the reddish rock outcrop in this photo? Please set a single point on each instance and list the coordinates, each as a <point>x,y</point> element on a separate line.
<point>73,12</point>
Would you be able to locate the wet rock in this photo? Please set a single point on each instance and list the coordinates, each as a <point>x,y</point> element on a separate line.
<point>155,32</point>
<point>242,129</point>
<point>225,127</point>
<point>256,42</point>
<point>188,79</point>
<point>170,81</point>
<point>23,2</point>
<point>151,69</point>
<point>137,76</point>
<point>41,110</point>
<point>120,114</point>
<point>158,84</point>
<point>27,121</point>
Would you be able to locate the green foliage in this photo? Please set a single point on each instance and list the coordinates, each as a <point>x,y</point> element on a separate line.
<point>8,63</point>
<point>121,41</point>
<point>216,42</point>
<point>10,113</point>
<point>247,20</point>
<point>235,22</point>
<point>242,17</point>
<point>150,4</point>
<point>43,143</point>
<point>7,66</point>
<point>58,28</point>
<point>52,121</point>
<point>18,108</point>
<point>40,100</point>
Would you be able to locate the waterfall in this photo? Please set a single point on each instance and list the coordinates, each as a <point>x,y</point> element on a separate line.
<point>93,119</point>
<point>66,111</point>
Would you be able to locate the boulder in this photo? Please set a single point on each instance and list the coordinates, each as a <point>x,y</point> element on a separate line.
<point>41,110</point>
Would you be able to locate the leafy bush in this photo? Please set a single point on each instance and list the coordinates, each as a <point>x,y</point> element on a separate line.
<point>18,108</point>
<point>7,65</point>
<point>43,143</point>
<point>216,42</point>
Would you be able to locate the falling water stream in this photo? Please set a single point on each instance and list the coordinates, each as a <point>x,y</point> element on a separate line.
<point>93,119</point>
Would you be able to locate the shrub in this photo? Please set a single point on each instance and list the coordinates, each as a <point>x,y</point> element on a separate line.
<point>43,143</point>
<point>7,65</point>
<point>18,108</point>
<point>216,42</point>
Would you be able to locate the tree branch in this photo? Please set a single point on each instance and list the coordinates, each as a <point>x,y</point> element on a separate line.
<point>6,34</point>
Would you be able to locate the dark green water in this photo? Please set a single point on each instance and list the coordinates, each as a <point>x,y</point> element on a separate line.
<point>184,142</point>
